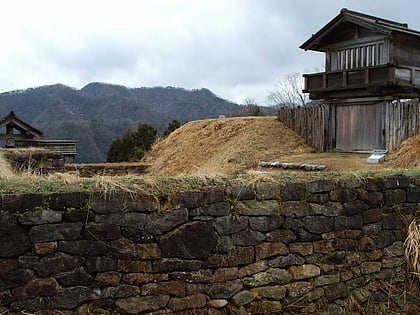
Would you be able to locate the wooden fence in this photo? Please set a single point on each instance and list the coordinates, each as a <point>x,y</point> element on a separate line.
<point>308,122</point>
<point>402,120</point>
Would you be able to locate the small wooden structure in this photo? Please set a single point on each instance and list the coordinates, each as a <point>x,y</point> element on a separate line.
<point>370,62</point>
<point>20,134</point>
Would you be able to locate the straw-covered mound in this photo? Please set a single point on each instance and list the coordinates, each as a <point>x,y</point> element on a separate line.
<point>408,155</point>
<point>223,146</point>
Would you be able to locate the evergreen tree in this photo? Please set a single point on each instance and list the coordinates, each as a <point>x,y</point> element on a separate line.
<point>133,145</point>
<point>172,126</point>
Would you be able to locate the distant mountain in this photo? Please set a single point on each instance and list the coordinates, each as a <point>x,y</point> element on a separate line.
<point>99,112</point>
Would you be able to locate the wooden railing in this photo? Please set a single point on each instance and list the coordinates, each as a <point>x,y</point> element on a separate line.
<point>383,75</point>
<point>65,147</point>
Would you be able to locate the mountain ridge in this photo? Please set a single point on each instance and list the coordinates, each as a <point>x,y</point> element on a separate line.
<point>100,112</point>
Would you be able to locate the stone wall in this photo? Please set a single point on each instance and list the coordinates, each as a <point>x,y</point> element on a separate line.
<point>302,247</point>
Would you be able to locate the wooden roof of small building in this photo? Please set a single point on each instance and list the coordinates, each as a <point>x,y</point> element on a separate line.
<point>20,125</point>
<point>373,23</point>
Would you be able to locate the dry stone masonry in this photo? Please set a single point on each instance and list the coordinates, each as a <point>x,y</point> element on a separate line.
<point>265,248</point>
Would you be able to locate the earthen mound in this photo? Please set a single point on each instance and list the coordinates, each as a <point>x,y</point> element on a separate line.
<point>223,146</point>
<point>408,155</point>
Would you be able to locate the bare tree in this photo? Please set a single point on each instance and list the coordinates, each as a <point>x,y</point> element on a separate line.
<point>288,92</point>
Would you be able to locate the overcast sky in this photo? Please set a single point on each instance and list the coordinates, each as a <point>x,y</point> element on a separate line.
<point>236,48</point>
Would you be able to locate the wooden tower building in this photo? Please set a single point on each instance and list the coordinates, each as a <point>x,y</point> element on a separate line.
<point>370,64</point>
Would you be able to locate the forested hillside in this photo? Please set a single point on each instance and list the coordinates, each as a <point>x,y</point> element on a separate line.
<point>99,113</point>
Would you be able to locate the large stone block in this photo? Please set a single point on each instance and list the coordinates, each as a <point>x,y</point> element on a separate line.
<point>36,288</point>
<point>251,269</point>
<point>15,278</point>
<point>282,235</point>
<point>320,186</point>
<point>224,244</point>
<point>394,250</point>
<point>256,208</point>
<point>295,209</point>
<point>69,298</point>
<point>384,238</point>
<point>7,298</point>
<point>199,276</point>
<point>275,292</point>
<point>392,222</point>
<point>55,232</point>
<point>37,217</point>
<point>176,288</point>
<point>248,238</point>
<point>148,251</point>
<point>355,207</point>
<point>123,248</point>
<point>219,290</point>
<point>372,216</point>
<point>58,262</point>
<point>304,271</point>
<point>270,276</point>
<point>330,209</point>
<point>21,202</point>
<point>370,267</point>
<point>190,302</point>
<point>168,265</point>
<point>294,191</point>
<point>126,219</point>
<point>101,264</point>
<point>225,274</point>
<point>140,203</point>
<point>230,224</point>
<point>266,191</point>
<point>102,231</point>
<point>108,278</point>
<point>238,256</point>
<point>318,224</point>
<point>159,223</point>
<point>14,238</point>
<point>75,277</point>
<point>265,223</point>
<point>264,307</point>
<point>303,249</point>
<point>299,288</point>
<point>270,249</point>
<point>413,194</point>
<point>136,305</point>
<point>343,195</point>
<point>83,247</point>
<point>137,235</point>
<point>395,196</point>
<point>305,236</point>
<point>396,181</point>
<point>240,193</point>
<point>44,248</point>
<point>121,291</point>
<point>336,291</point>
<point>65,201</point>
<point>133,266</point>
<point>285,261</point>
<point>243,298</point>
<point>141,278</point>
<point>188,199</point>
<point>215,210</point>
<point>7,265</point>
<point>187,241</point>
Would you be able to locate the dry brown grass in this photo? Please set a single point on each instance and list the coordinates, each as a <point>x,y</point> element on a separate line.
<point>6,170</point>
<point>408,156</point>
<point>412,247</point>
<point>223,146</point>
